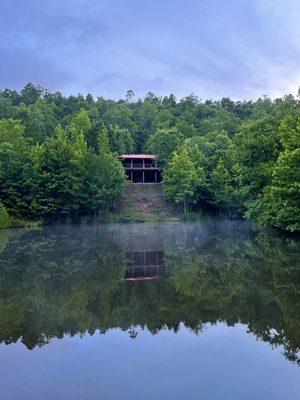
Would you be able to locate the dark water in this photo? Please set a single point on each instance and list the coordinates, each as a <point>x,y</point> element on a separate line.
<point>206,310</point>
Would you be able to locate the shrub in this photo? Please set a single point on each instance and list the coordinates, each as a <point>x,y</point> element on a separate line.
<point>4,217</point>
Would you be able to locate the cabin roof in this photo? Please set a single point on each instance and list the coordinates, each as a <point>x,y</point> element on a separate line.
<point>149,156</point>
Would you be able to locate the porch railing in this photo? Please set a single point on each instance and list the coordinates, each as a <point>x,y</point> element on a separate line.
<point>140,165</point>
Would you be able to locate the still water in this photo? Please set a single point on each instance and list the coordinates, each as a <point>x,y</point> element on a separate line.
<point>204,310</point>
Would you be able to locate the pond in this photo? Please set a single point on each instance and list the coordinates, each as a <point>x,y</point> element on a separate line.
<point>202,310</point>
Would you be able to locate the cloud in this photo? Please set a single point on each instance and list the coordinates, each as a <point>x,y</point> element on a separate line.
<point>221,48</point>
<point>23,66</point>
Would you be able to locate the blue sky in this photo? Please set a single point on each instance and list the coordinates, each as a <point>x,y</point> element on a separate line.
<point>214,48</point>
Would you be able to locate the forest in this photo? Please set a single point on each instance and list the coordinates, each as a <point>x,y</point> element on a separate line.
<point>59,154</point>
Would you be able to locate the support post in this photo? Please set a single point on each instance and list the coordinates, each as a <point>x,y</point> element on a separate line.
<point>155,175</point>
<point>143,176</point>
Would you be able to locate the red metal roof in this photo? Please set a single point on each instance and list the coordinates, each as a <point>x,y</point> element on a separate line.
<point>151,156</point>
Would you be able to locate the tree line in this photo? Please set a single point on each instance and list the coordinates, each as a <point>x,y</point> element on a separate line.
<point>58,154</point>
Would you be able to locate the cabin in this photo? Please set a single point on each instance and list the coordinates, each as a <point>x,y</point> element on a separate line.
<point>141,168</point>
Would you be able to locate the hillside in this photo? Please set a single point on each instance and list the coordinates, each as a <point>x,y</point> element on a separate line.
<point>145,202</point>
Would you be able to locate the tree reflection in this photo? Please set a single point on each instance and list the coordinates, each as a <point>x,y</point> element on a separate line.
<point>70,280</point>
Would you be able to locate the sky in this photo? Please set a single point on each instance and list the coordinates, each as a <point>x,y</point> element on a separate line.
<point>240,49</point>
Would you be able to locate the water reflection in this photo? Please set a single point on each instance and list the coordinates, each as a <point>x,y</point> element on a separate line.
<point>144,265</point>
<point>70,280</point>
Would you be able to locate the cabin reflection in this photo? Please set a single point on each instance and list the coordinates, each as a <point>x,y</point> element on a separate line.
<point>144,265</point>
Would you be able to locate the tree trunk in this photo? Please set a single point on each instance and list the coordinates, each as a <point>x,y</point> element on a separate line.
<point>184,203</point>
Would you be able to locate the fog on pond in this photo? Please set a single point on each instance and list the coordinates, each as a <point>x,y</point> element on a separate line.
<point>149,281</point>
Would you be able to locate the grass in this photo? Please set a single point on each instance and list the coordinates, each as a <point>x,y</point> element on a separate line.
<point>144,203</point>
<point>20,223</point>
<point>191,216</point>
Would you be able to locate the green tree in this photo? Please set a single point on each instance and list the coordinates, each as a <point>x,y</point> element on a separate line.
<point>7,110</point>
<point>31,93</point>
<point>120,140</point>
<point>39,120</point>
<point>145,117</point>
<point>163,143</point>
<point>110,174</point>
<point>80,124</point>
<point>186,129</point>
<point>257,149</point>
<point>4,217</point>
<point>14,155</point>
<point>218,157</point>
<point>55,176</point>
<point>184,175</point>
<point>11,131</point>
<point>279,204</point>
<point>224,188</point>
<point>129,97</point>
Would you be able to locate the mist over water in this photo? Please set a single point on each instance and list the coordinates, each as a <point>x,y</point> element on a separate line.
<point>149,311</point>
